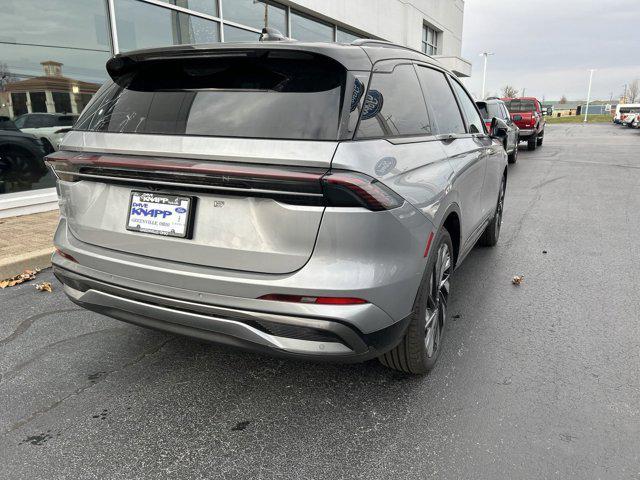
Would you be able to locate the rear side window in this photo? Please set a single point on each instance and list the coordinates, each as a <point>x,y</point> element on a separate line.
<point>394,105</point>
<point>272,94</point>
<point>476,124</point>
<point>441,100</point>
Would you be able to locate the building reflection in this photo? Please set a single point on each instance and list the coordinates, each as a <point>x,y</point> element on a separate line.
<point>49,93</point>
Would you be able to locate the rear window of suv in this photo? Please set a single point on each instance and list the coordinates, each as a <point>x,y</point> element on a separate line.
<point>490,110</point>
<point>276,94</point>
<point>520,106</point>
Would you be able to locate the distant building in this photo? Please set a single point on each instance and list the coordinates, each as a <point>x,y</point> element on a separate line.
<point>50,93</point>
<point>597,107</point>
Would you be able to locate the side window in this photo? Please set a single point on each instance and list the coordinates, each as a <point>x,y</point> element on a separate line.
<point>394,105</point>
<point>20,122</point>
<point>441,100</point>
<point>505,112</point>
<point>474,120</point>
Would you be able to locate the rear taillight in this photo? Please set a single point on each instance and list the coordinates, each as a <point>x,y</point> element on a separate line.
<point>488,125</point>
<point>299,185</point>
<point>351,189</point>
<point>277,297</point>
<point>66,255</point>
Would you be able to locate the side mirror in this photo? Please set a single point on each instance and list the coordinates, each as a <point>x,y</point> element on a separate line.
<point>499,129</point>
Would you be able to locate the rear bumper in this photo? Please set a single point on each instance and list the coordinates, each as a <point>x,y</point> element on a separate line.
<point>279,334</point>
<point>526,133</point>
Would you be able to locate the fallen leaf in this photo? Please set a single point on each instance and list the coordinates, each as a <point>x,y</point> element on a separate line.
<point>44,287</point>
<point>518,279</point>
<point>20,278</point>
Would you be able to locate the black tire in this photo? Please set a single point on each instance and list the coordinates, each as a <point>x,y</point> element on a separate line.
<point>421,345</point>
<point>513,156</point>
<point>532,143</point>
<point>540,139</point>
<point>491,233</point>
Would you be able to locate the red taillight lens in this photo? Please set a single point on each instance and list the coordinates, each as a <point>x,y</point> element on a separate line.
<point>351,189</point>
<point>488,124</point>
<point>66,255</point>
<point>278,297</point>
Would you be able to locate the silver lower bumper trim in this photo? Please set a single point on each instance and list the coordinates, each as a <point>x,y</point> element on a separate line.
<point>205,322</point>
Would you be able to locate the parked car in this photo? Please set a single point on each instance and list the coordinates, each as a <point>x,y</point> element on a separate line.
<point>526,112</point>
<point>623,109</point>
<point>496,108</point>
<point>21,158</point>
<point>306,199</point>
<point>49,127</point>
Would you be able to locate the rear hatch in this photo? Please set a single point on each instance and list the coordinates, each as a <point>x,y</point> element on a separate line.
<point>214,161</point>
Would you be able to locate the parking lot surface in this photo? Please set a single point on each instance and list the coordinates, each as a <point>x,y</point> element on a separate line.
<point>535,381</point>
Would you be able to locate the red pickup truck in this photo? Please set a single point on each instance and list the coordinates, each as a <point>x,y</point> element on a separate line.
<point>526,113</point>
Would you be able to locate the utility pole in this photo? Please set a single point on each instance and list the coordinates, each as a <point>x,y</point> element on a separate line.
<point>624,97</point>
<point>484,73</point>
<point>523,90</point>
<point>586,113</point>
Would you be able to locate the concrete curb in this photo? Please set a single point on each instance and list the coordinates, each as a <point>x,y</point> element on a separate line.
<point>27,261</point>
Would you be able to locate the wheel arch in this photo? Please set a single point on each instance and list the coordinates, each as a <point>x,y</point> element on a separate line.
<point>451,221</point>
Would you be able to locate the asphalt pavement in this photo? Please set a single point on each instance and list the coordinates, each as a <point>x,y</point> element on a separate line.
<point>537,381</point>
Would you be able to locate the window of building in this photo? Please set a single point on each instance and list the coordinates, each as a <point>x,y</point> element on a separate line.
<point>476,125</point>
<point>255,14</point>
<point>345,36</point>
<point>143,25</point>
<point>394,105</point>
<point>234,34</point>
<point>440,98</point>
<point>210,7</point>
<point>430,40</point>
<point>306,29</point>
<point>62,102</point>
<point>38,101</point>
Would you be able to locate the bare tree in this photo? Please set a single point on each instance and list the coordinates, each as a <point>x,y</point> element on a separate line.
<point>509,91</point>
<point>563,99</point>
<point>633,92</point>
<point>5,76</point>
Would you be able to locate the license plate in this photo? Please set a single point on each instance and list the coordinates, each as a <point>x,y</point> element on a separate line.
<point>160,214</point>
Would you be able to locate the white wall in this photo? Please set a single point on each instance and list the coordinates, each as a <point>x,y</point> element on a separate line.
<point>399,21</point>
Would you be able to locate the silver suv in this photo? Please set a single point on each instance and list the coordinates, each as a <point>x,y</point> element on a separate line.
<point>304,199</point>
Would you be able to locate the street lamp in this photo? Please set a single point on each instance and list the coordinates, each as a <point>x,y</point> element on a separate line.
<point>586,113</point>
<point>484,73</point>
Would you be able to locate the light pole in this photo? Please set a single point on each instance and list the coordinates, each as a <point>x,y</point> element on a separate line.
<point>484,73</point>
<point>586,113</point>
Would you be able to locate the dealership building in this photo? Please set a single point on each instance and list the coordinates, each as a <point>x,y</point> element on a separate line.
<point>53,52</point>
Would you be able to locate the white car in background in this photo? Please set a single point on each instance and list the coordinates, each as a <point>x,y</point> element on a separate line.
<point>50,128</point>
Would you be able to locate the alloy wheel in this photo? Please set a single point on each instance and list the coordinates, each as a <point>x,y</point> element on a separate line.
<point>436,310</point>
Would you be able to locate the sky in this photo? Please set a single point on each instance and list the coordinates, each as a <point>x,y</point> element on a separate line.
<point>548,47</point>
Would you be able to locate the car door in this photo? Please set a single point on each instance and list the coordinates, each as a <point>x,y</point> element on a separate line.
<point>466,154</point>
<point>478,143</point>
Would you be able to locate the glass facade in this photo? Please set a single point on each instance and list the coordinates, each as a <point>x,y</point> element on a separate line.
<point>53,55</point>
